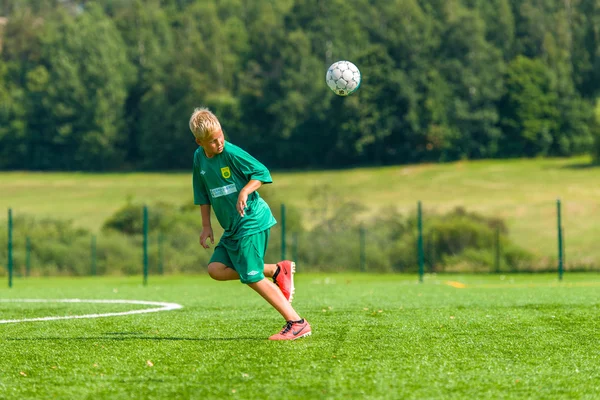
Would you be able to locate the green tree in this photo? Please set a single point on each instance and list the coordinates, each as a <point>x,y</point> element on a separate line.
<point>21,51</point>
<point>76,114</point>
<point>111,84</point>
<point>499,24</point>
<point>529,109</point>
<point>148,36</point>
<point>473,69</point>
<point>586,47</point>
<point>549,29</point>
<point>394,112</point>
<point>596,132</point>
<point>265,96</point>
<point>201,72</point>
<point>286,86</point>
<point>12,122</point>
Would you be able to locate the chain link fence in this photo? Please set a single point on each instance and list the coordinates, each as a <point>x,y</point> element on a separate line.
<point>423,241</point>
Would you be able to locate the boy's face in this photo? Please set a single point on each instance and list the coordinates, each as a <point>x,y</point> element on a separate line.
<point>213,144</point>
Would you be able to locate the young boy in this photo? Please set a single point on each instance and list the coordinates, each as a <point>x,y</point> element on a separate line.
<point>226,179</point>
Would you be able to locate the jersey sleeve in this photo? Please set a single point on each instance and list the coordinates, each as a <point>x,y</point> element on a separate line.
<point>250,167</point>
<point>200,192</point>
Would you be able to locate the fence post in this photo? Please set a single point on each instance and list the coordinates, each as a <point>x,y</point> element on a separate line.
<point>564,246</point>
<point>93,255</point>
<point>283,231</point>
<point>10,254</point>
<point>160,253</point>
<point>431,245</point>
<point>421,255</point>
<point>560,240</point>
<point>295,248</point>
<point>145,245</point>
<point>27,256</point>
<point>363,249</point>
<point>497,255</point>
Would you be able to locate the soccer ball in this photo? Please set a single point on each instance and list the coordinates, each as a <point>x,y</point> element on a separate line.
<point>343,78</point>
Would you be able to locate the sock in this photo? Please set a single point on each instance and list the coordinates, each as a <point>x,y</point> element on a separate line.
<point>276,273</point>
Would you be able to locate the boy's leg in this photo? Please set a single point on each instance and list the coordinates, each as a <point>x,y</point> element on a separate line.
<point>270,292</point>
<point>218,265</point>
<point>284,278</point>
<point>248,261</point>
<point>270,270</point>
<point>295,327</point>
<point>221,272</point>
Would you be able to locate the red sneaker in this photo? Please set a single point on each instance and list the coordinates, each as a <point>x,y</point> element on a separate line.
<point>293,330</point>
<point>284,279</point>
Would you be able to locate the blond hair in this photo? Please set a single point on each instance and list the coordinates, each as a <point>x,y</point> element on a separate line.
<point>203,123</point>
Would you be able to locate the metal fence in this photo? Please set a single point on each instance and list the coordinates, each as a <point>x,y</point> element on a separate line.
<point>420,243</point>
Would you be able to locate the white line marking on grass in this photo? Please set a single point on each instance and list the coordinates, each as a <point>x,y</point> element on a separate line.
<point>162,307</point>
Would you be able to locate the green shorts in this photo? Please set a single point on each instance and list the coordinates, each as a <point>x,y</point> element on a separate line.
<point>245,255</point>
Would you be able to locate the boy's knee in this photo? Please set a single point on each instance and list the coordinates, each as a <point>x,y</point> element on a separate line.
<point>215,271</point>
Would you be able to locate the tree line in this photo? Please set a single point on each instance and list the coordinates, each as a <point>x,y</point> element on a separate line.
<point>110,85</point>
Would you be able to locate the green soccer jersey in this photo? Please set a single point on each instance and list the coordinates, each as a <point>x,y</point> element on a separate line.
<point>218,180</point>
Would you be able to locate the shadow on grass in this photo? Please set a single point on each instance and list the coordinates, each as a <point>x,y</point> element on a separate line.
<point>132,338</point>
<point>576,166</point>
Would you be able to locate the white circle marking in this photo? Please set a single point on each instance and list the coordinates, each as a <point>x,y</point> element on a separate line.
<point>162,307</point>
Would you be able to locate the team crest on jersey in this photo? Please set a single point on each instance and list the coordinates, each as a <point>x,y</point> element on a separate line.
<point>225,172</point>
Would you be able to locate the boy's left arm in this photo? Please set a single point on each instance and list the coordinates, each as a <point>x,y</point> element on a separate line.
<point>250,187</point>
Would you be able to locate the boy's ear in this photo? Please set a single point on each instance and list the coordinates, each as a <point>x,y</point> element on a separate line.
<point>198,142</point>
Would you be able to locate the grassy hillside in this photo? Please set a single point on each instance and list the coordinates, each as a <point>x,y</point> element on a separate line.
<point>522,192</point>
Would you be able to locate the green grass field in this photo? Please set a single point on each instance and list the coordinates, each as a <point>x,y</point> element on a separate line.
<point>374,337</point>
<point>522,192</point>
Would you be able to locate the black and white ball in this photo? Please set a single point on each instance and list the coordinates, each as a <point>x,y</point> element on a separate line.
<point>343,78</point>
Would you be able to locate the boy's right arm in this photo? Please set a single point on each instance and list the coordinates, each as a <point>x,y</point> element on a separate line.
<point>201,198</point>
<point>207,231</point>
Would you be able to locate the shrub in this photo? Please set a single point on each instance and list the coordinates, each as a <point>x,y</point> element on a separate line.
<point>457,241</point>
